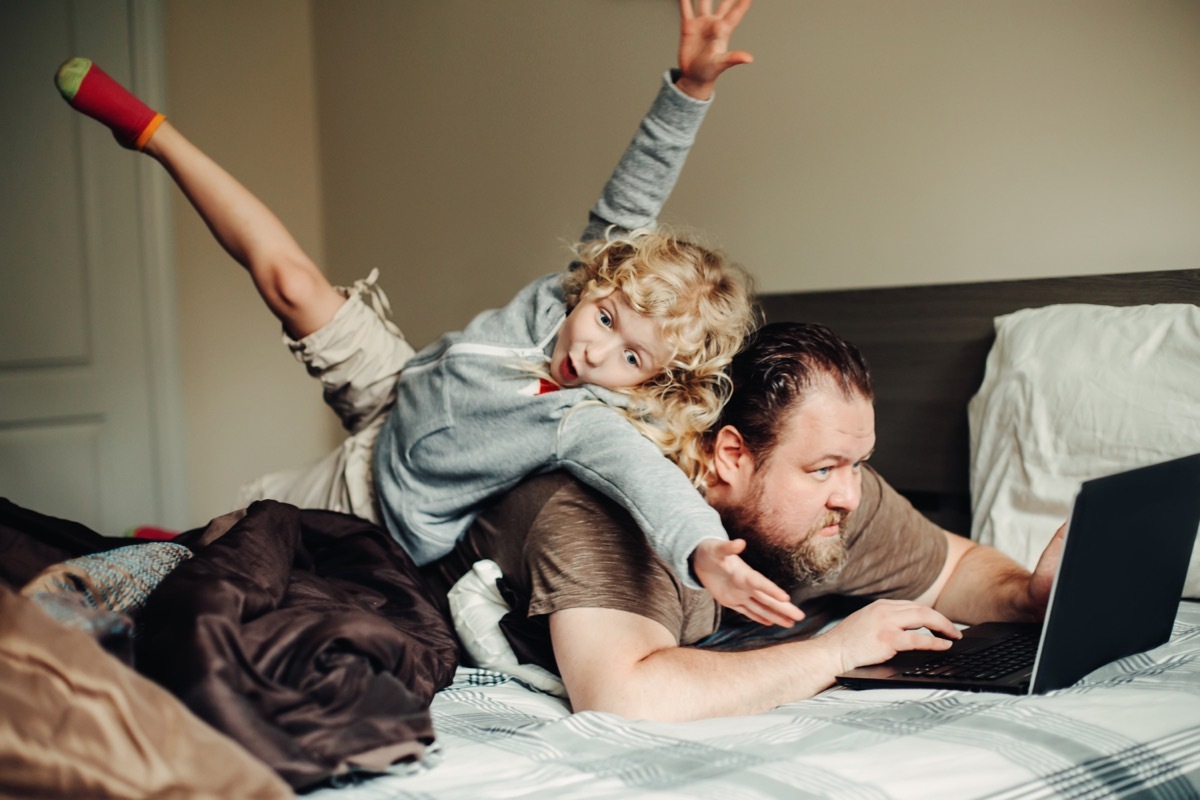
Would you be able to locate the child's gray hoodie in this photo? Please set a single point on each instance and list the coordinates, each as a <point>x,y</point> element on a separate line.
<point>472,419</point>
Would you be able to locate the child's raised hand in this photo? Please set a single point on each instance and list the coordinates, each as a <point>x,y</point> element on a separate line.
<point>704,44</point>
<point>736,585</point>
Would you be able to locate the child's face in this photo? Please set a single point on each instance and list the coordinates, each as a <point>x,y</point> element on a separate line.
<point>606,343</point>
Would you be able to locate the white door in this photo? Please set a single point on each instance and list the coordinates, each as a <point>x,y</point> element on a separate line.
<point>90,406</point>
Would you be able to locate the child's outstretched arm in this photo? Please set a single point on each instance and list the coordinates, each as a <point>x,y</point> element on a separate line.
<point>648,170</point>
<point>291,285</point>
<point>736,585</point>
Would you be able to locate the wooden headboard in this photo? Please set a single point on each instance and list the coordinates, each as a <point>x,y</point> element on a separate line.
<point>927,346</point>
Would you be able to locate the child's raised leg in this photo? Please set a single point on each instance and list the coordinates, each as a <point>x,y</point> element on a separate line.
<point>295,290</point>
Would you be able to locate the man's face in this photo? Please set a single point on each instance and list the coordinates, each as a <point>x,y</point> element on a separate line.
<point>791,506</point>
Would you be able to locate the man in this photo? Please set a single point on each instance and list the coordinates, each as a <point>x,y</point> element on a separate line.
<point>787,472</point>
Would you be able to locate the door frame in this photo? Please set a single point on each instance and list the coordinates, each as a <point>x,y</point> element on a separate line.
<point>160,297</point>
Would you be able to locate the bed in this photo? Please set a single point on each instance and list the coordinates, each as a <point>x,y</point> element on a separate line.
<point>951,363</point>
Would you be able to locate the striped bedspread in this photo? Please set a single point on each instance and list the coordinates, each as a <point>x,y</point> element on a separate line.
<point>1131,729</point>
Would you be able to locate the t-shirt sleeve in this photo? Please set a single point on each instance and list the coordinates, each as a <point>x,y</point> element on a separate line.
<point>894,550</point>
<point>584,551</point>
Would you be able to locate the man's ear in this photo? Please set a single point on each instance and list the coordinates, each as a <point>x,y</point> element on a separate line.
<point>732,460</point>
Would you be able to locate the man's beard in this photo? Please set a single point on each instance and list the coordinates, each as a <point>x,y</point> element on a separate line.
<point>814,560</point>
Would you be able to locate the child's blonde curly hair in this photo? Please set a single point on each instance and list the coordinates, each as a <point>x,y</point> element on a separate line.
<point>704,305</point>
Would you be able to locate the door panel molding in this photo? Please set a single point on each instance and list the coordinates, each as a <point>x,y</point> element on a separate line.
<point>91,410</point>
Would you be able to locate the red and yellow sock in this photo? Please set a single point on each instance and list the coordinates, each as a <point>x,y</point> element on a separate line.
<point>90,90</point>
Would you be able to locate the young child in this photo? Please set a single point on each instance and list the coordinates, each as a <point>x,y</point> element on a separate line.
<point>610,371</point>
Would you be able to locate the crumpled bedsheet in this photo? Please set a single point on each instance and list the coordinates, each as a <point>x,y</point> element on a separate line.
<point>306,636</point>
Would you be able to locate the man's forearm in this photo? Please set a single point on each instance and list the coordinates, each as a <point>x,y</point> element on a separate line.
<point>657,679</point>
<point>685,683</point>
<point>988,585</point>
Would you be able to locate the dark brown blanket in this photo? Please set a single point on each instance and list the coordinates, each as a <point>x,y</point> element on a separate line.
<point>306,636</point>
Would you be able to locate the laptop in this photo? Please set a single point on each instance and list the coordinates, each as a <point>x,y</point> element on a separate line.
<point>1128,545</point>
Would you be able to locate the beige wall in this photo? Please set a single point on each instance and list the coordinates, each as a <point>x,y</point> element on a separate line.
<point>241,86</point>
<point>873,142</point>
<point>457,144</point>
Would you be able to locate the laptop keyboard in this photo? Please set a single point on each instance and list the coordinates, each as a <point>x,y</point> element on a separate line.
<point>1014,652</point>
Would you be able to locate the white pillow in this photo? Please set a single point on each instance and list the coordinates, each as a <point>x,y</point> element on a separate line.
<point>1073,392</point>
<point>476,606</point>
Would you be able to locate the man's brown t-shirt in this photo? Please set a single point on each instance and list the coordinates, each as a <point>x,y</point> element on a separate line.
<point>561,545</point>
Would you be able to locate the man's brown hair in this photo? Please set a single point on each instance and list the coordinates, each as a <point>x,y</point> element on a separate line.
<point>775,372</point>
